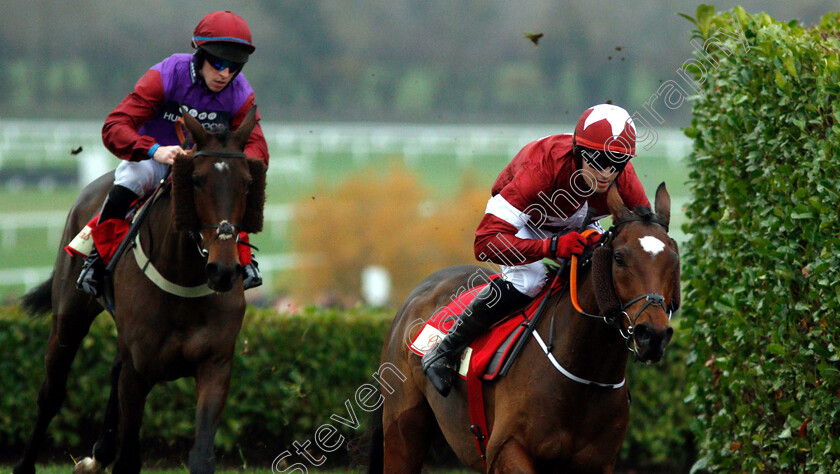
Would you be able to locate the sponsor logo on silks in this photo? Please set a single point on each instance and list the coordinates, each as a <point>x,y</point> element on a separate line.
<point>212,121</point>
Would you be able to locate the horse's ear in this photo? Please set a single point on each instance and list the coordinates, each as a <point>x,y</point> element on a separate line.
<point>616,205</point>
<point>183,202</point>
<point>602,282</point>
<point>662,204</point>
<point>243,133</point>
<point>197,133</point>
<point>253,220</point>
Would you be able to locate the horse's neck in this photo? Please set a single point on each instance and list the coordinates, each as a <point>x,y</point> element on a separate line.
<point>586,346</point>
<point>174,254</point>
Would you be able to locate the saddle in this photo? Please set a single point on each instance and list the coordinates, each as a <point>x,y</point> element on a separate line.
<point>113,237</point>
<point>492,351</point>
<point>490,355</point>
<point>107,242</point>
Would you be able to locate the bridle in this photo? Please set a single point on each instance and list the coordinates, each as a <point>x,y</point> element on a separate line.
<point>650,299</point>
<point>224,229</point>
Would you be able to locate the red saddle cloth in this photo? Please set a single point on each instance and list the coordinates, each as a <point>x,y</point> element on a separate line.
<point>106,236</point>
<point>486,355</point>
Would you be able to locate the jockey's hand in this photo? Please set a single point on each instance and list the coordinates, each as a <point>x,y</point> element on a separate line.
<point>593,239</point>
<point>166,154</point>
<point>564,246</point>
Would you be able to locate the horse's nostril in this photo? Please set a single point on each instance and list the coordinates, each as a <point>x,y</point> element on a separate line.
<point>643,334</point>
<point>212,270</point>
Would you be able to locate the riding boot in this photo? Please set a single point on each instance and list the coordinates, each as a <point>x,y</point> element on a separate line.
<point>116,206</point>
<point>496,301</point>
<point>251,276</point>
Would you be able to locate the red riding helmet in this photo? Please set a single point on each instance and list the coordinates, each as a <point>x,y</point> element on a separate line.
<point>225,35</point>
<point>606,127</point>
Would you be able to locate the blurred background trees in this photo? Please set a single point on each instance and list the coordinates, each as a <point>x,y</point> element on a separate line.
<point>371,60</point>
<point>382,218</point>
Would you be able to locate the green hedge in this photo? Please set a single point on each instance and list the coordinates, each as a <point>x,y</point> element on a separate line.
<point>762,265</point>
<point>290,374</point>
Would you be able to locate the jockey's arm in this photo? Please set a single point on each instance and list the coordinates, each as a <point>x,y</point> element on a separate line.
<point>496,241</point>
<point>119,134</point>
<point>495,238</point>
<point>256,146</point>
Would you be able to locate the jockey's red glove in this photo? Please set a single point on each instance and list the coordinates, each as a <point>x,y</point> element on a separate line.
<point>564,246</point>
<point>592,239</point>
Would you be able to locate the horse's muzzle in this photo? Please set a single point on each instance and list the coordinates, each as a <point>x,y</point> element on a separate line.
<point>222,277</point>
<point>650,343</point>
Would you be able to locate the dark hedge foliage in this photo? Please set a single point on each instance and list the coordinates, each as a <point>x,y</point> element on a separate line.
<point>762,264</point>
<point>290,374</point>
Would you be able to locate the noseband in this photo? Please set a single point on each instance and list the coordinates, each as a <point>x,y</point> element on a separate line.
<point>650,299</point>
<point>224,231</point>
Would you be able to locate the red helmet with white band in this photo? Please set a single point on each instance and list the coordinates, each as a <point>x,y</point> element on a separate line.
<point>606,127</point>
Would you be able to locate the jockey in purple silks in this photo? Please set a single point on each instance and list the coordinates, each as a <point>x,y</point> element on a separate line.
<point>141,129</point>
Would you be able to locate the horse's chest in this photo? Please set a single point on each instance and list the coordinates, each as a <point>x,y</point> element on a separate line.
<point>583,436</point>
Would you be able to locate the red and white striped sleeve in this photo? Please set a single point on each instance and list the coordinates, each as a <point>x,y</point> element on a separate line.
<point>506,215</point>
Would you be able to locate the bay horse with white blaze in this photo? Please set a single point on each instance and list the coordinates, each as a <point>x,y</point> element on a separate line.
<point>184,323</point>
<point>539,417</point>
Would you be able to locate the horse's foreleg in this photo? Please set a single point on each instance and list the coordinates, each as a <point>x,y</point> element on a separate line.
<point>105,449</point>
<point>133,390</point>
<point>511,457</point>
<point>66,334</point>
<point>212,384</point>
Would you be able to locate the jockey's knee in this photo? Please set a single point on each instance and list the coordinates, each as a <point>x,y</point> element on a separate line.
<point>139,176</point>
<point>528,279</point>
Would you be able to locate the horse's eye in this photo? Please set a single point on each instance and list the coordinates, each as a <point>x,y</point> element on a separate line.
<point>619,260</point>
<point>197,181</point>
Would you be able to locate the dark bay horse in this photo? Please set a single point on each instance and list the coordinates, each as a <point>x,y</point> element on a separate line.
<point>539,419</point>
<point>189,329</point>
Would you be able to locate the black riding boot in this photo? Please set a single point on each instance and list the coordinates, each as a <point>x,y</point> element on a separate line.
<point>251,276</point>
<point>492,304</point>
<point>116,206</point>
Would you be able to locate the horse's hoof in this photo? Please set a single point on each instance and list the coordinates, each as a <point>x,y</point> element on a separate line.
<point>89,466</point>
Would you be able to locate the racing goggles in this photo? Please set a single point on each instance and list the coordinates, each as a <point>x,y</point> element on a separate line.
<point>607,162</point>
<point>220,64</point>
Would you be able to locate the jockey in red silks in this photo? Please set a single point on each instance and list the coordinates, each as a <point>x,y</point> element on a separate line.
<point>538,203</point>
<point>141,129</point>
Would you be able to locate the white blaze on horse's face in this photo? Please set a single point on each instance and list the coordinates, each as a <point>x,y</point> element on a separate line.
<point>652,245</point>
<point>221,166</point>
